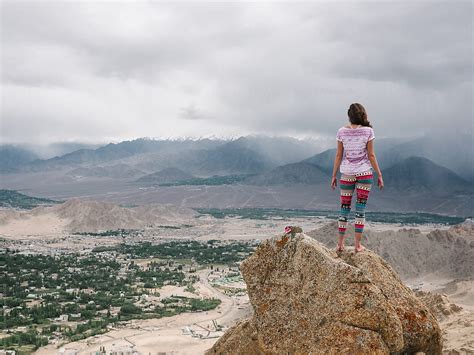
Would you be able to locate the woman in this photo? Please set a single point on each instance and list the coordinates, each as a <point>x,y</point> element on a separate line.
<point>355,159</point>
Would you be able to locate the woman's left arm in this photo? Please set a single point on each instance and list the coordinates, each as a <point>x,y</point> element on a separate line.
<point>337,163</point>
<point>375,164</point>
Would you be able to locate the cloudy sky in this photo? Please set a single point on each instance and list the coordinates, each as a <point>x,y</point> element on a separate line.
<point>100,71</point>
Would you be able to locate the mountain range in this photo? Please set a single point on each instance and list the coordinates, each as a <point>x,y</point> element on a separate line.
<point>203,157</point>
<point>415,167</point>
<point>250,154</point>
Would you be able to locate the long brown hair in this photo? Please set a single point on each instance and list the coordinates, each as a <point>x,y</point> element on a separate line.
<point>358,115</point>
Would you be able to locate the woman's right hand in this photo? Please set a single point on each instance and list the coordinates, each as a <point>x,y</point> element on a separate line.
<point>334,182</point>
<point>380,182</point>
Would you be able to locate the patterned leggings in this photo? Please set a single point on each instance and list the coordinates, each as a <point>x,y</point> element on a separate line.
<point>361,182</point>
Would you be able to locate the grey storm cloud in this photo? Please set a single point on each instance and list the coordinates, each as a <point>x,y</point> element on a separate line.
<point>98,71</point>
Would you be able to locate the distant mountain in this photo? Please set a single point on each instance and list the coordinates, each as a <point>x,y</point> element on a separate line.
<point>457,156</point>
<point>15,199</point>
<point>412,174</point>
<point>236,157</point>
<point>229,158</point>
<point>203,157</point>
<point>324,160</point>
<point>13,157</point>
<point>279,150</point>
<point>167,175</point>
<point>290,174</point>
<point>118,151</point>
<point>421,175</point>
<point>96,217</point>
<point>246,155</point>
<point>47,151</point>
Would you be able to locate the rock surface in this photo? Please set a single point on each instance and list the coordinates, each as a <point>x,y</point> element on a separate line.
<point>439,304</point>
<point>307,299</point>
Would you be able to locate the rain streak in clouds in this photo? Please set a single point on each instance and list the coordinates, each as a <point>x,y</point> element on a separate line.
<point>100,71</point>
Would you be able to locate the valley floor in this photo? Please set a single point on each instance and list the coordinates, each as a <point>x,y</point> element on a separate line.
<point>56,185</point>
<point>173,335</point>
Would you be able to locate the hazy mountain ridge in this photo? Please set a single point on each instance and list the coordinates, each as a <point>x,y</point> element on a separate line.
<point>13,157</point>
<point>204,157</point>
<point>279,150</point>
<point>164,176</point>
<point>245,155</point>
<point>116,151</point>
<point>235,170</point>
<point>413,175</point>
<point>391,151</point>
<point>457,157</point>
<point>249,154</point>
<point>295,173</point>
<point>421,175</point>
<point>223,160</point>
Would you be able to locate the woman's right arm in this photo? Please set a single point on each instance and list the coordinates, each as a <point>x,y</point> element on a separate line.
<point>373,161</point>
<point>337,163</point>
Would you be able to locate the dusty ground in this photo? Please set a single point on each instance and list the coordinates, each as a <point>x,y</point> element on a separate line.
<point>458,327</point>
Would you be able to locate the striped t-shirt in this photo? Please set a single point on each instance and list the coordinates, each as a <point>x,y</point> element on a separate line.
<point>355,159</point>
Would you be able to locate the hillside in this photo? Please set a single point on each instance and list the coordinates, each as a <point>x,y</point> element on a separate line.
<point>93,216</point>
<point>118,151</point>
<point>324,160</point>
<point>79,216</point>
<point>225,159</point>
<point>290,174</point>
<point>413,253</point>
<point>279,150</point>
<point>230,158</point>
<point>457,157</point>
<point>13,157</point>
<point>421,175</point>
<point>15,199</point>
<point>164,176</point>
<point>202,157</point>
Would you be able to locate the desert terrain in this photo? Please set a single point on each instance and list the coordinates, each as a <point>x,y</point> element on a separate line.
<point>434,260</point>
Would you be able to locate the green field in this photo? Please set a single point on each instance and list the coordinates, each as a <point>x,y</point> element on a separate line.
<point>204,253</point>
<point>15,199</point>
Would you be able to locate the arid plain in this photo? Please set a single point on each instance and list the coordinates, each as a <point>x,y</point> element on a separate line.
<point>431,258</point>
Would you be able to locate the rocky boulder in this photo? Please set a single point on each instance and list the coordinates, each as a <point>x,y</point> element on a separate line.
<point>308,299</point>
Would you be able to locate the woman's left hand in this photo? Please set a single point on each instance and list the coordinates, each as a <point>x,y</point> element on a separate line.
<point>380,182</point>
<point>334,182</point>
